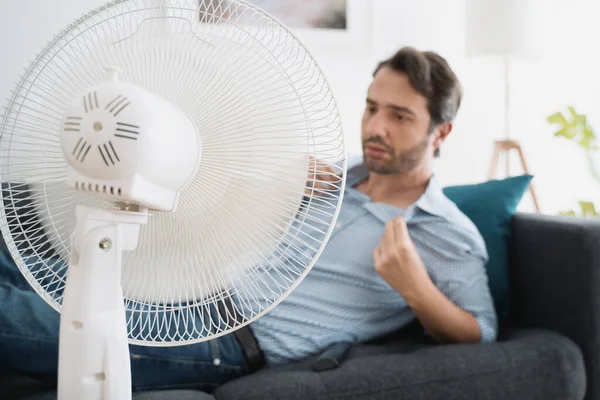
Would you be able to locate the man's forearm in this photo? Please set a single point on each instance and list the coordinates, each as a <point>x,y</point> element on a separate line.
<point>444,320</point>
<point>397,261</point>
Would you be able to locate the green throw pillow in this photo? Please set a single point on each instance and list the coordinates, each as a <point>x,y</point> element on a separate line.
<point>491,205</point>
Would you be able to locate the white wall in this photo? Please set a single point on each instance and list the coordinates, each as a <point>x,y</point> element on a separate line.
<point>567,76</point>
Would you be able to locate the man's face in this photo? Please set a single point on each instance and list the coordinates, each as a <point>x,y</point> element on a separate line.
<point>395,125</point>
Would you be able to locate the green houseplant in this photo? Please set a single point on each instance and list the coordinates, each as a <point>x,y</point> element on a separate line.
<point>576,129</point>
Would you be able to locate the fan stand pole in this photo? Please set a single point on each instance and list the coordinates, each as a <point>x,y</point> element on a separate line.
<point>94,359</point>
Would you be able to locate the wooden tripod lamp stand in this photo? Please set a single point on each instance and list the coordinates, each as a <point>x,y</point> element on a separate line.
<point>505,30</point>
<point>506,146</point>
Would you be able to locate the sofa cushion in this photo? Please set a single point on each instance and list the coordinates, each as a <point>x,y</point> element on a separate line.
<point>524,364</point>
<point>491,206</point>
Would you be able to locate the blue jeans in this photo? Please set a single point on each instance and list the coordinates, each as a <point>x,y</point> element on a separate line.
<point>29,336</point>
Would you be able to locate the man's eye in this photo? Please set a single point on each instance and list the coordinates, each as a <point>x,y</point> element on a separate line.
<point>400,117</point>
<point>371,110</point>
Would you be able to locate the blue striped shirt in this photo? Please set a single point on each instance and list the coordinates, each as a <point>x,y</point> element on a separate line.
<point>344,299</point>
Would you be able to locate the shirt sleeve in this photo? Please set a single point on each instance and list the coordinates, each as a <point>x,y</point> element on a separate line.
<point>465,282</point>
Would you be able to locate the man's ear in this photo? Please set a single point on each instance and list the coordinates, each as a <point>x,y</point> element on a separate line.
<point>442,133</point>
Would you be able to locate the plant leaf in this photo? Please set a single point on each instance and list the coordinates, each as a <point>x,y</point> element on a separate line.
<point>557,118</point>
<point>570,212</point>
<point>588,209</point>
<point>589,132</point>
<point>566,132</point>
<point>585,142</point>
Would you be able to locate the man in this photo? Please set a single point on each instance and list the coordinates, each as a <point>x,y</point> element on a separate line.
<point>401,251</point>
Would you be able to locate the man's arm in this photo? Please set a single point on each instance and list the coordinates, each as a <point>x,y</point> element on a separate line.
<point>443,320</point>
<point>459,311</point>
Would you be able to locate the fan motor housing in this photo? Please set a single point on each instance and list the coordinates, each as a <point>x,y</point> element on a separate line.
<point>127,144</point>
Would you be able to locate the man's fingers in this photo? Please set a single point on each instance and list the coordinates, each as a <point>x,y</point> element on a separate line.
<point>328,179</point>
<point>402,236</point>
<point>400,228</point>
<point>327,182</point>
<point>395,233</point>
<point>322,176</point>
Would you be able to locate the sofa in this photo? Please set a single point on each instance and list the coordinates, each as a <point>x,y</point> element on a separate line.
<point>548,348</point>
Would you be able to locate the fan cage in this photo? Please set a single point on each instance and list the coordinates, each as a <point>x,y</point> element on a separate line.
<point>280,102</point>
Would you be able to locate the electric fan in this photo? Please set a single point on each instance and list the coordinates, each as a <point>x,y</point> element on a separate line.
<point>163,167</point>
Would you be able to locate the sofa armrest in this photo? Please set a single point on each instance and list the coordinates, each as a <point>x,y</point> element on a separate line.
<point>555,282</point>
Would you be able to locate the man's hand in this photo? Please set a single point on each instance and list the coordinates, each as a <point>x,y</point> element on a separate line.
<point>323,176</point>
<point>398,262</point>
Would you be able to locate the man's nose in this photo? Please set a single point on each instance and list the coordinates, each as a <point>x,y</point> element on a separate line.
<point>376,126</point>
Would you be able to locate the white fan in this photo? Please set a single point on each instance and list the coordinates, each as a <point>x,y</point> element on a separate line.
<point>154,161</point>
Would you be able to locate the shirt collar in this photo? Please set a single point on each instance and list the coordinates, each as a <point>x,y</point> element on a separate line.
<point>433,201</point>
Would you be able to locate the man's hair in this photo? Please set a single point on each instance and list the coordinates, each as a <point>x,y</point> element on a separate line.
<point>430,75</point>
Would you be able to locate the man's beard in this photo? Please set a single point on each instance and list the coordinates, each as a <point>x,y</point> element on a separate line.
<point>401,162</point>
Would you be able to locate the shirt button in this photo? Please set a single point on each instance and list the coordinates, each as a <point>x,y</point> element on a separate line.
<point>338,225</point>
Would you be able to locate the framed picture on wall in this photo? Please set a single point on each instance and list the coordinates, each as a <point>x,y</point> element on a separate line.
<point>322,23</point>
<point>308,14</point>
<point>354,32</point>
